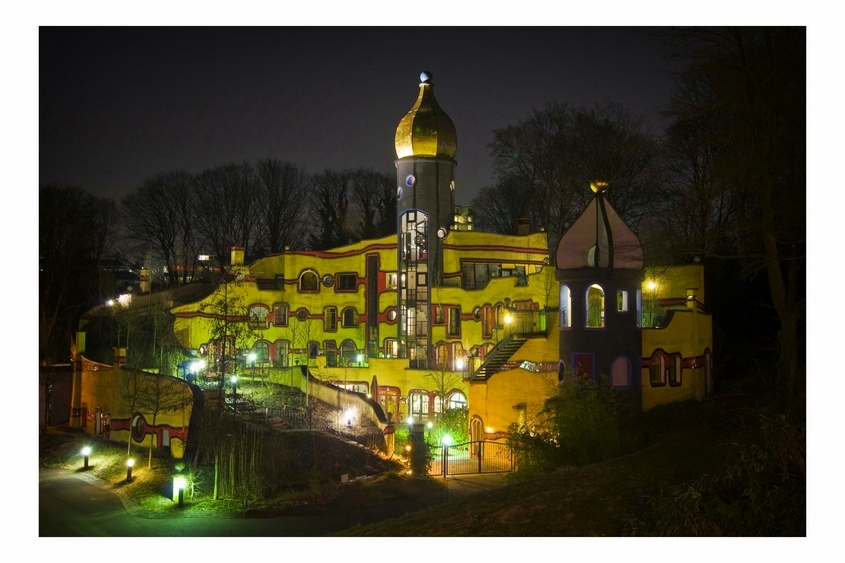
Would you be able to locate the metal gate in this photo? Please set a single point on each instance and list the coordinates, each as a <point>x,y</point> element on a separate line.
<point>473,458</point>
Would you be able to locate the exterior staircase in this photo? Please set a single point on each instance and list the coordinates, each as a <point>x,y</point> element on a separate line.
<point>497,357</point>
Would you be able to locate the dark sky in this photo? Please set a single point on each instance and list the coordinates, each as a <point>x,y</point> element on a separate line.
<point>119,104</point>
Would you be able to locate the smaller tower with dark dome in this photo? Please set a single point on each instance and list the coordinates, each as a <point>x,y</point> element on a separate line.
<point>426,144</point>
<point>599,264</point>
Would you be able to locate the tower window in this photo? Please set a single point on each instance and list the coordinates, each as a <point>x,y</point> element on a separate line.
<point>565,307</point>
<point>622,301</point>
<point>595,307</point>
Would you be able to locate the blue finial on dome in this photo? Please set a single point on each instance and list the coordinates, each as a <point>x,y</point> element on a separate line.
<point>425,77</point>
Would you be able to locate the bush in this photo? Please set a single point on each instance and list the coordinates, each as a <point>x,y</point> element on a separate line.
<point>763,492</point>
<point>585,423</point>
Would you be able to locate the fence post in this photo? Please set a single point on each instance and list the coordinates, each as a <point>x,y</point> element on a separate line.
<point>480,453</point>
<point>445,459</point>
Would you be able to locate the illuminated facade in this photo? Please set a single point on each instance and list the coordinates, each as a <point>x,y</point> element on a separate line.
<point>442,315</point>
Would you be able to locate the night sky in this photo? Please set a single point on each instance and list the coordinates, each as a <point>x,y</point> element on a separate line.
<point>117,104</point>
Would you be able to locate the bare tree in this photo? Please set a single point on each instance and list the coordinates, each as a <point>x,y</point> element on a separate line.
<point>130,389</point>
<point>374,196</point>
<point>284,199</point>
<point>160,394</point>
<point>74,231</point>
<point>228,211</point>
<point>159,215</point>
<point>546,162</point>
<point>740,109</point>
<point>330,209</point>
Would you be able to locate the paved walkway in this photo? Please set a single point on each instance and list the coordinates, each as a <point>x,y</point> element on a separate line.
<point>458,486</point>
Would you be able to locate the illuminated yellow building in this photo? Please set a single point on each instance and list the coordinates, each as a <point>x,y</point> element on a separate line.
<point>442,315</point>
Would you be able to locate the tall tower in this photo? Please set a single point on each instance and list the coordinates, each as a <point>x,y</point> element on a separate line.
<point>426,144</point>
<point>600,269</point>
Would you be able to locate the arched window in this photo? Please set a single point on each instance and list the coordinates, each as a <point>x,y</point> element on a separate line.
<point>657,371</point>
<point>309,282</point>
<point>258,317</point>
<point>350,318</point>
<point>565,307</point>
<point>348,353</point>
<point>620,371</point>
<point>262,352</point>
<point>595,307</point>
<point>456,400</point>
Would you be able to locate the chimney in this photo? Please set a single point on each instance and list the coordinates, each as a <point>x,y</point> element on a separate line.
<point>523,226</point>
<point>237,258</point>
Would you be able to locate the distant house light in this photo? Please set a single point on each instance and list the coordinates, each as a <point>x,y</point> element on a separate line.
<point>203,258</point>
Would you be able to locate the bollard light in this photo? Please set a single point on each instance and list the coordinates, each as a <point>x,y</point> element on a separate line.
<point>129,464</point>
<point>179,487</point>
<point>86,451</point>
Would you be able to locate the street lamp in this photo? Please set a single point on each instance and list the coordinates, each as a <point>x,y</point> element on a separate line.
<point>129,463</point>
<point>508,321</point>
<point>234,380</point>
<point>179,488</point>
<point>86,451</point>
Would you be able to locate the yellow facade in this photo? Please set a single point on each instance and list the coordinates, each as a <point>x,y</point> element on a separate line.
<point>105,403</point>
<point>322,298</point>
<point>488,278</point>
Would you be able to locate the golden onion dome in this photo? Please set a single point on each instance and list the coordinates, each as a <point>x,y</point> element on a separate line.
<point>426,130</point>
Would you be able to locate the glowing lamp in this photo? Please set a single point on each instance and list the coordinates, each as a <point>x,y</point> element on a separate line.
<point>129,464</point>
<point>410,420</point>
<point>430,424</point>
<point>86,451</point>
<point>179,488</point>
<point>446,440</point>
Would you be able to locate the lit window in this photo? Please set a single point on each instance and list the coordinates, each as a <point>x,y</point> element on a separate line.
<point>258,317</point>
<point>262,352</point>
<point>419,404</point>
<point>565,307</point>
<point>622,301</point>
<point>391,348</point>
<point>456,400</point>
<point>595,307</point>
<point>391,281</point>
<point>330,319</point>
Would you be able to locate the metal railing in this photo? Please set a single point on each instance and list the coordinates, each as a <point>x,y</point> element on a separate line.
<point>473,458</point>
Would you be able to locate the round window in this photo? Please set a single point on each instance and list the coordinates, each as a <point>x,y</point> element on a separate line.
<point>302,314</point>
<point>399,193</point>
<point>328,280</point>
<point>410,180</point>
<point>139,427</point>
<point>391,315</point>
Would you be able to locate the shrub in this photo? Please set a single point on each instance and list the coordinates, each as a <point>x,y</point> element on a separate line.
<point>586,422</point>
<point>761,493</point>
